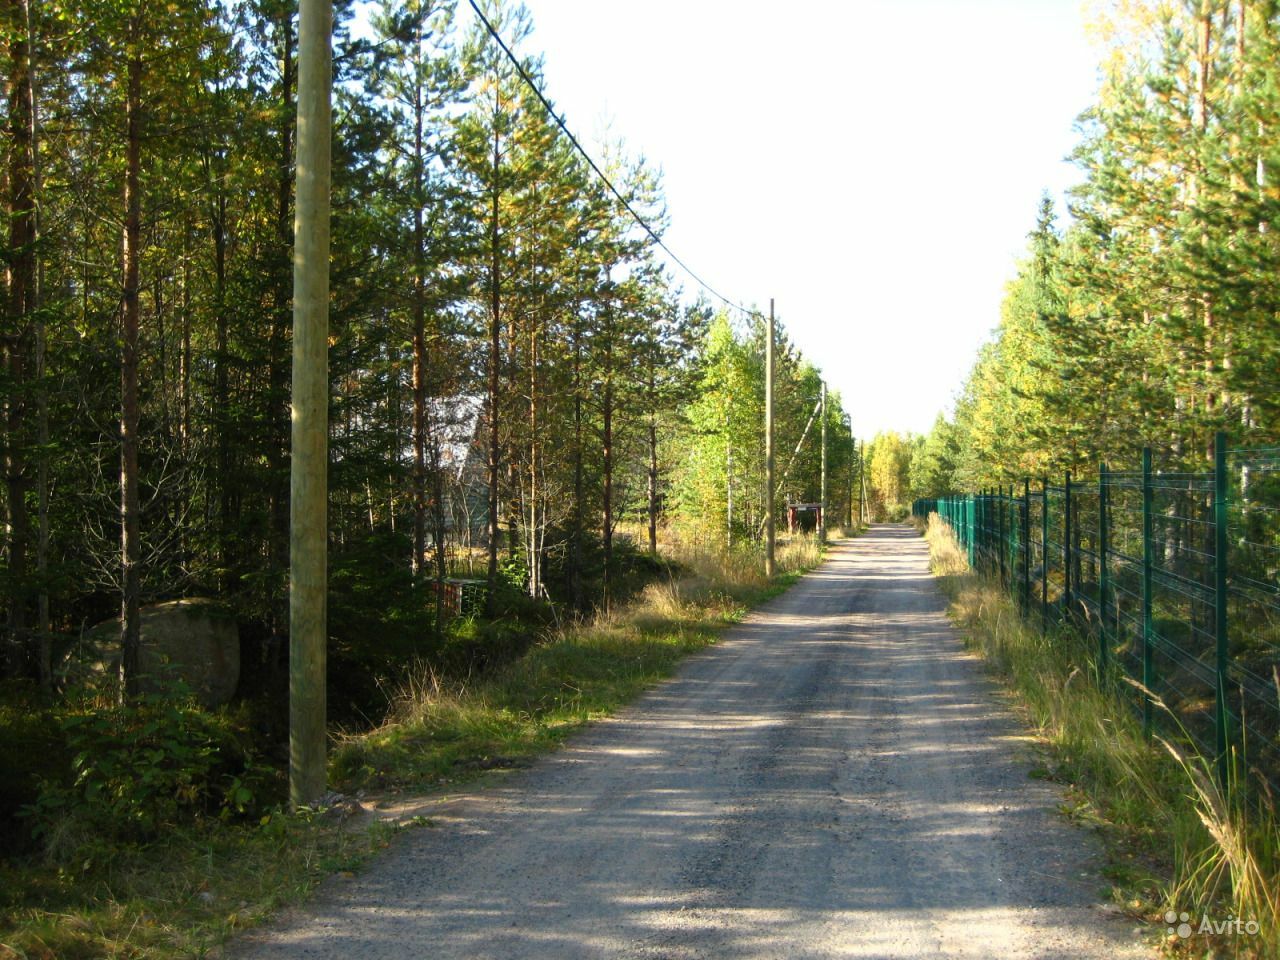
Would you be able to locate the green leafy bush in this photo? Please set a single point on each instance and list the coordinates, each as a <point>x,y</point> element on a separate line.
<point>139,769</point>
<point>473,646</point>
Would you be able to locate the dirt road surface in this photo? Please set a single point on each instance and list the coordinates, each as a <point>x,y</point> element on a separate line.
<point>835,778</point>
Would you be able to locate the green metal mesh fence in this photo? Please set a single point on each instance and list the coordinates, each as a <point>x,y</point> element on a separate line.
<point>1174,575</point>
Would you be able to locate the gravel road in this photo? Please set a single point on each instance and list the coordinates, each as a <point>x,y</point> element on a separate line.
<point>835,778</point>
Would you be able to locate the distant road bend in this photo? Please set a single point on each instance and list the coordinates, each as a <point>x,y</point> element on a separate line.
<point>836,778</point>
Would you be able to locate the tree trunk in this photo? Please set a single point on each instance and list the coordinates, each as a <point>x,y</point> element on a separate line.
<point>184,385</point>
<point>221,394</point>
<point>419,340</point>
<point>44,653</point>
<point>495,357</point>
<point>422,424</point>
<point>277,367</point>
<point>129,503</point>
<point>653,485</point>
<point>607,465</point>
<point>574,573</point>
<point>1200,117</point>
<point>21,284</point>
<point>161,368</point>
<point>184,355</point>
<point>534,549</point>
<point>438,526</point>
<point>728,484</point>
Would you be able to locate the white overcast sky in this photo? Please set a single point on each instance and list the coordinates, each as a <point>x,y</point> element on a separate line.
<point>873,165</point>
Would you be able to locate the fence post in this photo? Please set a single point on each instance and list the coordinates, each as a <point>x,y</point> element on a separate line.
<point>989,530</point>
<point>1044,555</point>
<point>988,559</point>
<point>1066,545</point>
<point>969,506</point>
<point>1220,600</point>
<point>1012,528</point>
<point>1148,550</point>
<point>979,559</point>
<point>1026,546</point>
<point>1000,541</point>
<point>1103,497</point>
<point>993,530</point>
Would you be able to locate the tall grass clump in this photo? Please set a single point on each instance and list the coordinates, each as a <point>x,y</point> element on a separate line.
<point>738,571</point>
<point>1176,841</point>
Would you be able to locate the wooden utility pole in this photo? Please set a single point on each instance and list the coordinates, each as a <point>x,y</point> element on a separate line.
<point>822,505</point>
<point>768,448</point>
<point>309,499</point>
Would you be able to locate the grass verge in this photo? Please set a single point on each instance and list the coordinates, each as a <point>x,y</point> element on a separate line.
<point>186,894</point>
<point>1175,844</point>
<point>438,731</point>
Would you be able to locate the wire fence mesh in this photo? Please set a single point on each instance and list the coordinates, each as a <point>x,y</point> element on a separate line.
<point>1175,576</point>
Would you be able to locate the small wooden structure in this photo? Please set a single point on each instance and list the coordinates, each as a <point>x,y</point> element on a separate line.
<point>462,596</point>
<point>803,517</point>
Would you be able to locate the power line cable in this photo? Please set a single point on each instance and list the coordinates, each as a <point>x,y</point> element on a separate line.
<point>600,173</point>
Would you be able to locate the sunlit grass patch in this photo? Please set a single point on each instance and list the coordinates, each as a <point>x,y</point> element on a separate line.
<point>177,898</point>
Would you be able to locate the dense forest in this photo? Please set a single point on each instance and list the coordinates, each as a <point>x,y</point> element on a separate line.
<point>520,391</point>
<point>1150,318</point>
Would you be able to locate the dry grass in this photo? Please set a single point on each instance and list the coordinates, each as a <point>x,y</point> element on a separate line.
<point>742,568</point>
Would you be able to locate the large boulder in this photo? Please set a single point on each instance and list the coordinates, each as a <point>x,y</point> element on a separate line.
<point>192,641</point>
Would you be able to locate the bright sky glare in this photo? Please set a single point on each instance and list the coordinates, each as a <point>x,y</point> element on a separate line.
<point>873,165</point>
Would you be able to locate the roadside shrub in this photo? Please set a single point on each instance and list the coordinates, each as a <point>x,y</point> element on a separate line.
<point>473,646</point>
<point>140,769</point>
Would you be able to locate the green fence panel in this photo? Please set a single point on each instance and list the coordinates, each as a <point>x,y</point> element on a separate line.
<point>1174,573</point>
